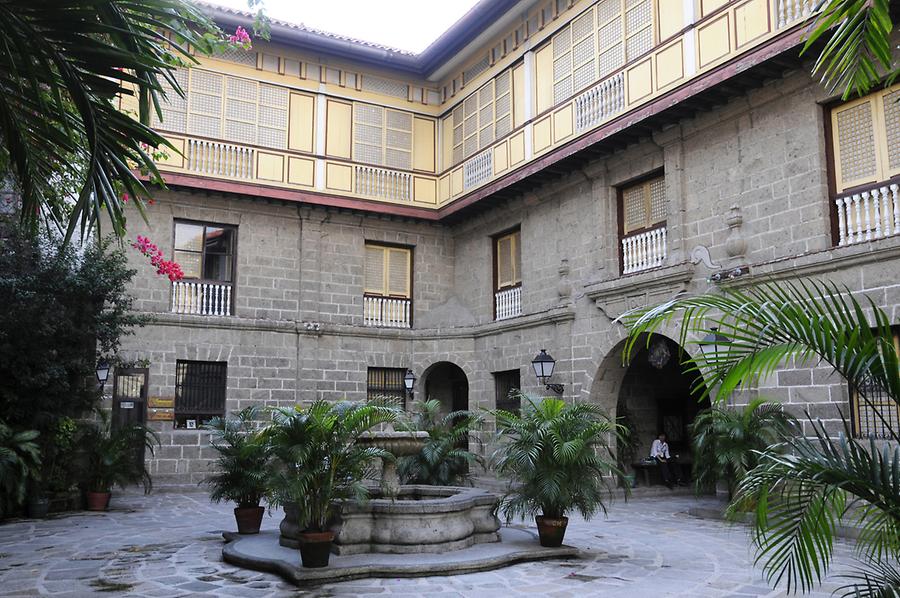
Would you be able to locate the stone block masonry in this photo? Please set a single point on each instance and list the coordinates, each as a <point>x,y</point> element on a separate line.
<point>297,332</point>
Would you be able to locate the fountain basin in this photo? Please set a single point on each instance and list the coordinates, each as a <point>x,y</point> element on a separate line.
<point>421,519</point>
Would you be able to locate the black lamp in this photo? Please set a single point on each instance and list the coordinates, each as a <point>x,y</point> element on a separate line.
<point>543,365</point>
<point>710,343</point>
<point>409,380</point>
<point>102,372</point>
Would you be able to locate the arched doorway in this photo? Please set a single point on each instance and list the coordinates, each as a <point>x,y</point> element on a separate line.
<point>447,383</point>
<point>658,395</point>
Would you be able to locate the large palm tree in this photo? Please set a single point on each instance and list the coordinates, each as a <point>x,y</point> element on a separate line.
<point>806,487</point>
<point>63,64</point>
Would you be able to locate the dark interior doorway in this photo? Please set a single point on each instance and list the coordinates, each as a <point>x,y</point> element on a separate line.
<point>656,396</point>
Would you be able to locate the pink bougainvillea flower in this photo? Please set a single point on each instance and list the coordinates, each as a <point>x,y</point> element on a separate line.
<point>164,267</point>
<point>240,38</point>
<point>125,198</point>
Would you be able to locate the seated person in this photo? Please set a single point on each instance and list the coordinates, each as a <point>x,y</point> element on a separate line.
<point>668,468</point>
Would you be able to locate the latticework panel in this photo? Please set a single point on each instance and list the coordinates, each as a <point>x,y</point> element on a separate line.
<point>275,138</point>
<point>202,103</point>
<point>476,69</point>
<point>610,60</point>
<point>273,96</point>
<point>638,30</point>
<point>399,120</point>
<point>607,9</point>
<point>238,55</point>
<point>242,89</point>
<point>657,200</point>
<point>385,87</point>
<point>172,105</point>
<point>501,83</point>
<point>204,126</point>
<point>240,132</point>
<point>240,110</point>
<point>856,142</point>
<point>891,106</point>
<point>634,208</point>
<point>396,158</point>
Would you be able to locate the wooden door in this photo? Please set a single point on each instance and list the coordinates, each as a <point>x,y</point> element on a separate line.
<point>130,401</point>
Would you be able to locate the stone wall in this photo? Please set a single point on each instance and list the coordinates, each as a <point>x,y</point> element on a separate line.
<point>297,333</point>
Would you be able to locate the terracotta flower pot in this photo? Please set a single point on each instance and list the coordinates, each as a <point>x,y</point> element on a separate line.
<point>551,530</point>
<point>248,519</point>
<point>97,501</point>
<point>315,548</point>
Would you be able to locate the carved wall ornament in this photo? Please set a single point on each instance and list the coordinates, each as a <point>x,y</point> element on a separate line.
<point>564,287</point>
<point>735,244</point>
<point>700,254</point>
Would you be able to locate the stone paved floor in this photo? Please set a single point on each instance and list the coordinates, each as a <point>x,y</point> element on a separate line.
<point>170,545</point>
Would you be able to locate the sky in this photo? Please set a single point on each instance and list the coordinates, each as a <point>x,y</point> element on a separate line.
<point>405,24</point>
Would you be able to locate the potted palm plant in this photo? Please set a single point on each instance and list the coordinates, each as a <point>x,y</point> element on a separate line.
<point>241,467</point>
<point>557,457</point>
<point>728,441</point>
<point>319,464</point>
<point>113,458</point>
<point>444,460</point>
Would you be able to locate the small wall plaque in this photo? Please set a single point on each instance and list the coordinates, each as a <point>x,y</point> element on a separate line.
<point>161,402</point>
<point>161,415</point>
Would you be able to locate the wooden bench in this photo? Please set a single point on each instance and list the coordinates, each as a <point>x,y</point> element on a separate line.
<point>644,469</point>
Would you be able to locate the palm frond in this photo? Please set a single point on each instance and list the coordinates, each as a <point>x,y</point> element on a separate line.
<point>859,48</point>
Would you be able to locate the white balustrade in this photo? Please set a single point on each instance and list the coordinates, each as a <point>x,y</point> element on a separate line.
<point>869,215</point>
<point>600,102</point>
<point>223,159</point>
<point>384,184</point>
<point>478,169</point>
<point>508,303</point>
<point>387,312</point>
<point>794,10</point>
<point>201,298</point>
<point>644,250</point>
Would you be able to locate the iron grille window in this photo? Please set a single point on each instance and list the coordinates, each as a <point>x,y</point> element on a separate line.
<point>386,383</point>
<point>873,410</point>
<point>506,387</point>
<point>199,392</point>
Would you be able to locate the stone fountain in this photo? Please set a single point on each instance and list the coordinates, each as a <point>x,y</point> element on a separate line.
<point>402,531</point>
<point>404,519</point>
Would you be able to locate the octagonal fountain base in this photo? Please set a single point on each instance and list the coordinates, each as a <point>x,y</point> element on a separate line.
<point>262,552</point>
<point>420,519</point>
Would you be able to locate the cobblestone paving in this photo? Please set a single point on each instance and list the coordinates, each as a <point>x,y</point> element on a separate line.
<point>170,545</point>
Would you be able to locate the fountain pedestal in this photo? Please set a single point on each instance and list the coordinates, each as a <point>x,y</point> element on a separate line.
<point>407,519</point>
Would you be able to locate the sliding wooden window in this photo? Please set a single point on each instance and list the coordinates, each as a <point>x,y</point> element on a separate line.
<point>388,271</point>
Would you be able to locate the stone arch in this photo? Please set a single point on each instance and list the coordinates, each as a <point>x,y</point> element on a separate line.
<point>448,383</point>
<point>654,393</point>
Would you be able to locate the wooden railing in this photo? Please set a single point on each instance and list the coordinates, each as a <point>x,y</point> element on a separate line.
<point>508,303</point>
<point>643,251</point>
<point>387,312</point>
<point>600,102</point>
<point>201,298</point>
<point>869,215</point>
<point>790,11</point>
<point>383,184</point>
<point>212,157</point>
<point>478,169</point>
